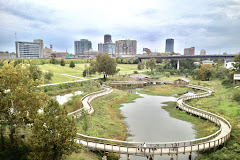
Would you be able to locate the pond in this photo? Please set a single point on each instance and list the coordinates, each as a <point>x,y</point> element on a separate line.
<point>66,97</point>
<point>148,122</point>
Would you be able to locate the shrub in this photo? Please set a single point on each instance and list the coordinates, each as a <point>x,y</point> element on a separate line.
<point>236,96</point>
<point>72,65</point>
<point>135,72</point>
<point>167,74</point>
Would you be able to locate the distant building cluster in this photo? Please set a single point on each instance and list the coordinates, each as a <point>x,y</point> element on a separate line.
<point>7,55</point>
<point>48,52</point>
<point>189,51</point>
<point>120,47</point>
<point>83,49</point>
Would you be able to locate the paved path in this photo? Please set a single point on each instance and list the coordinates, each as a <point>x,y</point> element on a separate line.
<point>74,76</point>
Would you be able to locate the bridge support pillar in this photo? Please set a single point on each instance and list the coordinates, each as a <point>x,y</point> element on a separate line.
<point>128,158</point>
<point>224,63</point>
<point>177,64</point>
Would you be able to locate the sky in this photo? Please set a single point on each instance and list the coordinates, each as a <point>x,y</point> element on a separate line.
<point>213,25</point>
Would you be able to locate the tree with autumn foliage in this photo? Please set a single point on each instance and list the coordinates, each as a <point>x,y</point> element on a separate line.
<point>205,73</point>
<point>53,133</point>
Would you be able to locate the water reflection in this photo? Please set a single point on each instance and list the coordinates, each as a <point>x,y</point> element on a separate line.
<point>64,98</point>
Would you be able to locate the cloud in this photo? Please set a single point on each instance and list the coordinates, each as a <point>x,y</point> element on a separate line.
<point>210,25</point>
<point>27,10</point>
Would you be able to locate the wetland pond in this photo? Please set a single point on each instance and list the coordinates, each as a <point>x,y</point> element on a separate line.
<point>148,122</point>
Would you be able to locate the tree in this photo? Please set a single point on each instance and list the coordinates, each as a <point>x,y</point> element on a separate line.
<point>124,61</point>
<point>131,61</point>
<point>53,133</point>
<point>84,73</point>
<point>48,76</point>
<point>21,103</point>
<point>136,61</point>
<point>205,73</point>
<point>53,60</point>
<point>62,62</point>
<point>106,65</point>
<point>236,66</point>
<point>152,64</point>
<point>119,60</point>
<point>72,65</point>
<point>35,72</point>
<point>140,65</point>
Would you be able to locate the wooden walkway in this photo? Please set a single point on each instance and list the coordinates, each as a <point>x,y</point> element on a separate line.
<point>160,148</point>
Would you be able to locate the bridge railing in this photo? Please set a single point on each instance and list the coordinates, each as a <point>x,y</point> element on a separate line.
<point>203,143</point>
<point>90,95</point>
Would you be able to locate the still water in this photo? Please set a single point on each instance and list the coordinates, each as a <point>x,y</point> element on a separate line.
<point>148,122</point>
<point>66,97</point>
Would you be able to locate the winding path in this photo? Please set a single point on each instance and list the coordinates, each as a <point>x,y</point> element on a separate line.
<point>160,148</point>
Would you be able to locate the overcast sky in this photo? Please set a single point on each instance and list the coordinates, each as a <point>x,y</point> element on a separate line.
<point>213,25</point>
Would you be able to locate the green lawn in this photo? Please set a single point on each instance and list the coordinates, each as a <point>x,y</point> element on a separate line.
<point>77,71</point>
<point>58,70</point>
<point>164,90</point>
<point>128,68</point>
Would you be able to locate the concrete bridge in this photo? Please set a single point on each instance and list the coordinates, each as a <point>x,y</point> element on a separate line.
<point>161,148</point>
<point>180,57</point>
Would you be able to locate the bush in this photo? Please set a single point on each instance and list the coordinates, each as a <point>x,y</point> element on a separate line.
<point>72,65</point>
<point>62,62</point>
<point>227,82</point>
<point>236,96</point>
<point>167,74</point>
<point>135,72</point>
<point>84,73</point>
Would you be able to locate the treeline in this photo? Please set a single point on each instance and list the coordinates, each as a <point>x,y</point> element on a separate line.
<point>46,61</point>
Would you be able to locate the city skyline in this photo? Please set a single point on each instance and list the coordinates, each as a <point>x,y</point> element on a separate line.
<point>212,25</point>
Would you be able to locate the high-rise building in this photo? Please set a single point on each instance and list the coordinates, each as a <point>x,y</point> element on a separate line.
<point>109,48</point>
<point>186,51</point>
<point>40,45</point>
<point>126,47</point>
<point>203,52</point>
<point>100,47</point>
<point>169,45</point>
<point>107,38</point>
<point>29,49</point>
<point>189,51</point>
<point>192,51</point>
<point>81,46</point>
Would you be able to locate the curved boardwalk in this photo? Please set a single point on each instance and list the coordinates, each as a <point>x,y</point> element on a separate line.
<point>159,148</point>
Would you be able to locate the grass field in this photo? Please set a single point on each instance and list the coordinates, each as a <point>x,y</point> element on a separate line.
<point>58,70</point>
<point>164,90</point>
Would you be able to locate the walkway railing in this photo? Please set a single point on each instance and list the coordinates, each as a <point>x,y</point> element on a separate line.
<point>90,96</point>
<point>159,148</point>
